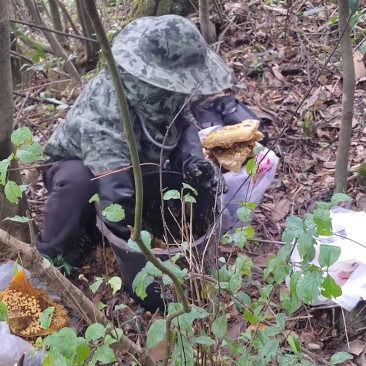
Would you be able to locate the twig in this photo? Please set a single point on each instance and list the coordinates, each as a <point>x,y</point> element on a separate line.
<point>35,99</point>
<point>53,30</point>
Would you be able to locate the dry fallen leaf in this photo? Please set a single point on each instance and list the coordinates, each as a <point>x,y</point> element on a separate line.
<point>360,69</point>
<point>281,209</point>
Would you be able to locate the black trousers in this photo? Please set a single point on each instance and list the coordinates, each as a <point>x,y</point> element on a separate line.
<point>68,213</point>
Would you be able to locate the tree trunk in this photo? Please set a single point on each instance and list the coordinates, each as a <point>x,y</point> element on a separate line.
<point>207,28</point>
<point>91,58</point>
<point>56,20</point>
<point>20,231</point>
<point>52,40</point>
<point>142,8</point>
<point>344,143</point>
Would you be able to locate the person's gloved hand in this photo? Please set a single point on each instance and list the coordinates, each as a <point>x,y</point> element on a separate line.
<point>205,174</point>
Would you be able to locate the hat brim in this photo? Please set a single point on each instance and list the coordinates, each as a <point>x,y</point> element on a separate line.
<point>214,76</point>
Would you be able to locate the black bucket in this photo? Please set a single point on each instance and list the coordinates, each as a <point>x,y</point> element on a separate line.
<point>131,262</point>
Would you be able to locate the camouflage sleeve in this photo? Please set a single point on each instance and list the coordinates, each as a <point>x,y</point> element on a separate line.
<point>103,145</point>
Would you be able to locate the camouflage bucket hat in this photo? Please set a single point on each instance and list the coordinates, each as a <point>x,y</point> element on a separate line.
<point>169,52</point>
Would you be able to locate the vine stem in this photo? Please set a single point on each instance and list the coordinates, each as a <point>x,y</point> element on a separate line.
<point>131,141</point>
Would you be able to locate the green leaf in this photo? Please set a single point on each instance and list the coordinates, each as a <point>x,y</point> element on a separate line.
<point>94,198</point>
<point>83,353</point>
<point>188,198</point>
<point>156,333</point>
<point>146,239</point>
<point>95,286</point>
<point>294,344</point>
<point>330,288</point>
<point>3,312</point>
<point>295,225</point>
<point>323,222</point>
<point>116,284</point>
<point>363,47</point>
<point>64,341</point>
<point>205,340</point>
<point>339,198</point>
<point>4,165</point>
<point>17,218</point>
<point>173,194</point>
<point>340,357</point>
<point>104,354</point>
<point>251,167</point>
<point>188,186</point>
<point>95,332</point>
<point>308,286</point>
<point>12,191</point>
<point>30,153</point>
<point>290,302</point>
<point>328,255</point>
<point>46,317</point>
<point>114,213</point>
<point>258,148</point>
<point>305,243</point>
<point>21,135</point>
<point>141,282</point>
<point>219,326</point>
<point>244,214</point>
<point>120,307</point>
<point>250,317</point>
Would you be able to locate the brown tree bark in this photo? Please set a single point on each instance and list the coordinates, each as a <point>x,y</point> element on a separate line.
<point>20,231</point>
<point>344,143</point>
<point>207,28</point>
<point>56,20</point>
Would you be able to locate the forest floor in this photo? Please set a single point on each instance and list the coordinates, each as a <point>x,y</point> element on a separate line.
<point>290,76</point>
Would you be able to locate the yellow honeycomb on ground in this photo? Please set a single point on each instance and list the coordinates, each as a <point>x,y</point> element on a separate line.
<point>25,305</point>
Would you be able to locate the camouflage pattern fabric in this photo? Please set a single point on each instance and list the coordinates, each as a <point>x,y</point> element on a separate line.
<point>171,63</point>
<point>169,52</point>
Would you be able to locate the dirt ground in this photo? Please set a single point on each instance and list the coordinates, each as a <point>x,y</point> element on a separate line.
<point>288,73</point>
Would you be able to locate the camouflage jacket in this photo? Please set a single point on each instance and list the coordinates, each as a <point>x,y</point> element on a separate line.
<point>93,132</point>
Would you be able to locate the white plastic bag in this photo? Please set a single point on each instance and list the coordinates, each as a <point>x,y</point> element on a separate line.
<point>12,347</point>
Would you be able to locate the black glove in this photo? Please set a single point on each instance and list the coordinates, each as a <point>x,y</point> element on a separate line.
<point>188,158</point>
<point>118,188</point>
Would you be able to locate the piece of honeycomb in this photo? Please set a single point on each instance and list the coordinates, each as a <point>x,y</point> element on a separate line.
<point>25,305</point>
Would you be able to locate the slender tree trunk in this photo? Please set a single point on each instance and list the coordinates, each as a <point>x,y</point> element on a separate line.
<point>56,20</point>
<point>20,231</point>
<point>52,40</point>
<point>344,142</point>
<point>207,28</point>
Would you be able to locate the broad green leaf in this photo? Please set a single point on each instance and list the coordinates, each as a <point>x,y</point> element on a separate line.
<point>280,321</point>
<point>330,288</point>
<point>205,340</point>
<point>244,214</point>
<point>116,284</point>
<point>94,198</point>
<point>328,255</point>
<point>141,282</point>
<point>183,354</point>
<point>21,135</point>
<point>83,353</point>
<point>306,242</point>
<point>17,218</point>
<point>323,222</point>
<point>290,302</point>
<point>120,307</point>
<point>146,238</point>
<point>12,191</point>
<point>104,354</point>
<point>219,326</point>
<point>95,332</point>
<point>251,167</point>
<point>252,319</point>
<point>258,148</point>
<point>156,333</point>
<point>4,165</point>
<point>3,312</point>
<point>101,306</point>
<point>46,317</point>
<point>235,282</point>
<point>244,265</point>
<point>188,186</point>
<point>340,357</point>
<point>30,153</point>
<point>114,213</point>
<point>64,341</point>
<point>173,194</point>
<point>308,286</point>
<point>188,198</point>
<point>295,225</point>
<point>94,287</point>
<point>339,198</point>
<point>268,352</point>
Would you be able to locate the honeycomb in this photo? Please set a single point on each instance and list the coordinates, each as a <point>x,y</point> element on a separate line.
<point>25,305</point>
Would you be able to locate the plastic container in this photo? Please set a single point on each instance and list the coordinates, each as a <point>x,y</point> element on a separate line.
<point>131,262</point>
